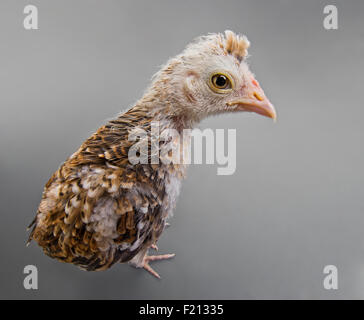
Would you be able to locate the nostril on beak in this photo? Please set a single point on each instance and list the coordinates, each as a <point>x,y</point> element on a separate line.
<point>258,96</point>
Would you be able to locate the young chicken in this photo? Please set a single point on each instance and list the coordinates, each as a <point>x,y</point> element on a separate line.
<point>98,208</point>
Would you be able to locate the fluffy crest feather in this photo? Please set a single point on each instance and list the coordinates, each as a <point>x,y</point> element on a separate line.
<point>236,45</point>
<point>221,44</point>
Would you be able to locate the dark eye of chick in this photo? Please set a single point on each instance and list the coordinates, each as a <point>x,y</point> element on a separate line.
<point>220,81</point>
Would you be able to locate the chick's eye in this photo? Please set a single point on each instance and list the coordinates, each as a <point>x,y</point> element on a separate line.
<point>220,82</point>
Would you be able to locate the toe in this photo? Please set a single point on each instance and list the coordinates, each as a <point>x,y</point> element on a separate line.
<point>151,270</point>
<point>159,257</point>
<point>154,246</point>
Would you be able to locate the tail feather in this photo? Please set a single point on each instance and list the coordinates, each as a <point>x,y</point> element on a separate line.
<point>32,224</point>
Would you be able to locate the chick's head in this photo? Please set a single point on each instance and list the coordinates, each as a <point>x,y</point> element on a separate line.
<point>210,77</point>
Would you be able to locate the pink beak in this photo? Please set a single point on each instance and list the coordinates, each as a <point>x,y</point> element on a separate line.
<point>254,100</point>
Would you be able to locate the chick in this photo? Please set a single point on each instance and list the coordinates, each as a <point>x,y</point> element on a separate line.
<point>98,208</point>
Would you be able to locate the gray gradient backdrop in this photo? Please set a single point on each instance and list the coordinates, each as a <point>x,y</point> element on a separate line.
<point>295,203</point>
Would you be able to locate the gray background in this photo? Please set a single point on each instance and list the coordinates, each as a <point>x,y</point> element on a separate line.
<point>295,203</point>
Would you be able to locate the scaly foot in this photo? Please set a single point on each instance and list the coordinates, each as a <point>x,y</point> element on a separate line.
<point>147,258</point>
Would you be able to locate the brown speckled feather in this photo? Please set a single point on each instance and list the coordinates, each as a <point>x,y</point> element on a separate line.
<point>97,208</point>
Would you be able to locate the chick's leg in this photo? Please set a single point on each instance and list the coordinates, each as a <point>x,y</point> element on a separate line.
<point>142,259</point>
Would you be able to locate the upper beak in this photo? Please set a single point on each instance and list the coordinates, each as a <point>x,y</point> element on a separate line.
<point>254,100</point>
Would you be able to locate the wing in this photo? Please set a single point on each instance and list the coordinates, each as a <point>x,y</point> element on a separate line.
<point>98,209</point>
<point>97,218</point>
